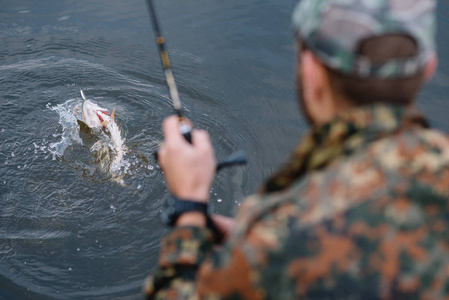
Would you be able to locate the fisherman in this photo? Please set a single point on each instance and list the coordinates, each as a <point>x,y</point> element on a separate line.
<point>360,210</point>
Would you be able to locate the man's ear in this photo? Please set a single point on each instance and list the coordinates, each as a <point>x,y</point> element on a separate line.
<point>431,67</point>
<point>316,89</point>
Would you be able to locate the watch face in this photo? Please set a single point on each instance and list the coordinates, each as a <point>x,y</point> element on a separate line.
<point>164,218</point>
<point>168,214</point>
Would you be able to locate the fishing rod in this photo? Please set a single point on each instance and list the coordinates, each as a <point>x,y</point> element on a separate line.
<point>186,130</point>
<point>237,158</point>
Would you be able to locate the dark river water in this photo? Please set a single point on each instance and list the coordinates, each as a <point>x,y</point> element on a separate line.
<point>67,229</point>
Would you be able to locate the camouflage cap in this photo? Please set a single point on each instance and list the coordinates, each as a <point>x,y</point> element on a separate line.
<point>333,30</point>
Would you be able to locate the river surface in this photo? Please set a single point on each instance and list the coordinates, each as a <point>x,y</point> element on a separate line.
<point>70,230</point>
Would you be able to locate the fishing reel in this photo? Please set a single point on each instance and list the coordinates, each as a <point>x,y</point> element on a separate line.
<point>235,159</point>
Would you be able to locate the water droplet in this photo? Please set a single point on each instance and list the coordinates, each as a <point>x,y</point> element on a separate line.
<point>70,269</point>
<point>219,200</point>
<point>96,241</point>
<point>139,186</point>
<point>12,154</point>
<point>78,249</point>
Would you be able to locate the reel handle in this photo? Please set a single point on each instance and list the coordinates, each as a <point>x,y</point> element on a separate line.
<point>235,159</point>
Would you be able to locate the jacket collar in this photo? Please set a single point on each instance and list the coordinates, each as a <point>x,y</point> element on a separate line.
<point>349,132</point>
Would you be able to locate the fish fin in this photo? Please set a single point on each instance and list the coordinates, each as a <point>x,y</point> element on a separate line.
<point>76,109</point>
<point>113,115</point>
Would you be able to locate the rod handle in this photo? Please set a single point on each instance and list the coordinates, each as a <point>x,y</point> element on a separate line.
<point>235,159</point>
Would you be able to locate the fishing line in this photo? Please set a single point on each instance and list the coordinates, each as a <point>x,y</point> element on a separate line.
<point>77,82</point>
<point>80,73</point>
<point>77,65</point>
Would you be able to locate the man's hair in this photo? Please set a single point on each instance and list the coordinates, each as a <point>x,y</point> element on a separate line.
<point>363,91</point>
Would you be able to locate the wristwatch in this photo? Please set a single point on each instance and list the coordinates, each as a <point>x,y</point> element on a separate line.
<point>175,207</point>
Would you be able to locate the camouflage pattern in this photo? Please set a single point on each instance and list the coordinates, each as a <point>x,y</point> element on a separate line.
<point>370,220</point>
<point>333,29</point>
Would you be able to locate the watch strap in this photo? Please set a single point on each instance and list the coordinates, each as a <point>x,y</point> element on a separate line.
<point>183,206</point>
<point>175,207</point>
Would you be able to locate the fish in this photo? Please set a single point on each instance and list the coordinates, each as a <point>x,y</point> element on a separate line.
<point>102,122</point>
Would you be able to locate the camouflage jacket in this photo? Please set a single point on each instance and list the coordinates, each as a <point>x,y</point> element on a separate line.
<point>360,211</point>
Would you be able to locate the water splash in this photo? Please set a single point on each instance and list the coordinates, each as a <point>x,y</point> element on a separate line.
<point>70,128</point>
<point>103,154</point>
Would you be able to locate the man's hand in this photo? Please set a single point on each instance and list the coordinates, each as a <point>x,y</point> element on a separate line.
<point>224,225</point>
<point>189,169</point>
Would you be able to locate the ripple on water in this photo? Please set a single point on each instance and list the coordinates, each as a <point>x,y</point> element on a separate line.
<point>61,214</point>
